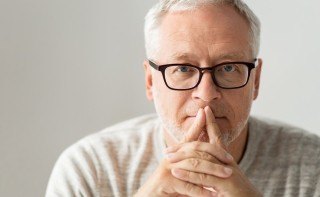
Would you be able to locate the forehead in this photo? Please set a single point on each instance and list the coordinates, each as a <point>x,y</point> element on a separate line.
<point>211,32</point>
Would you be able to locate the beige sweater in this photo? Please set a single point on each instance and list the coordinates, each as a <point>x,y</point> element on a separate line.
<point>280,160</point>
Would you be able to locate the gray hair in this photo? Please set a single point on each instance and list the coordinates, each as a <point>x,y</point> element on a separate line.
<point>156,13</point>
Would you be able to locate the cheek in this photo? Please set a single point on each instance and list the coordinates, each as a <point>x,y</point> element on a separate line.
<point>240,101</point>
<point>168,103</point>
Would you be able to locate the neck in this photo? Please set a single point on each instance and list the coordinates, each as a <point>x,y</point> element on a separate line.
<point>238,146</point>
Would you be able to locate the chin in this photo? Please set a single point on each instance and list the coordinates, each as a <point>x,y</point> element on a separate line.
<point>203,137</point>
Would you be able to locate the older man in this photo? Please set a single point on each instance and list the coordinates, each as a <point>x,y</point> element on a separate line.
<point>203,74</point>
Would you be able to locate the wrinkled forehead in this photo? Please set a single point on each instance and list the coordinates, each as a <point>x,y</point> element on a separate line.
<point>211,31</point>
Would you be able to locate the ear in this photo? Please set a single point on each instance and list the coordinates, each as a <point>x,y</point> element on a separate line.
<point>148,80</point>
<point>257,79</point>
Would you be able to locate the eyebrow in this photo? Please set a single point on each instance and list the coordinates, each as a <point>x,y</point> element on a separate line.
<point>182,56</point>
<point>189,56</point>
<point>231,56</point>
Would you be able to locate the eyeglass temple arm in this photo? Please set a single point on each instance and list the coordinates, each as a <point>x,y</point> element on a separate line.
<point>153,65</point>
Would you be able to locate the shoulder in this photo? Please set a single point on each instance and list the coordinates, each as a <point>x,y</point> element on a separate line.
<point>282,138</point>
<point>282,158</point>
<point>135,128</point>
<point>101,158</point>
<point>125,135</point>
<point>272,128</point>
<point>123,132</point>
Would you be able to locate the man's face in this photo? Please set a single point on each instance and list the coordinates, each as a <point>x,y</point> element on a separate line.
<point>203,37</point>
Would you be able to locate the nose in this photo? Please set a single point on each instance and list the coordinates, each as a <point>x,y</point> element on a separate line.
<point>206,91</point>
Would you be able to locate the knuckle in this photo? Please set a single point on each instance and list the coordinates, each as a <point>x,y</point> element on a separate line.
<point>206,156</point>
<point>194,162</point>
<point>187,175</point>
<point>198,154</point>
<point>202,178</point>
<point>188,187</point>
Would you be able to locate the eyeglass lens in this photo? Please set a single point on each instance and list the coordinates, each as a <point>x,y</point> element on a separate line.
<point>226,75</point>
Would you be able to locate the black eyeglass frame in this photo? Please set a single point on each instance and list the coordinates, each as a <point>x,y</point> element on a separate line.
<point>211,69</point>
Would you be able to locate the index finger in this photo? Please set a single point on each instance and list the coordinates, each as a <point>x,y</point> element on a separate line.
<point>212,127</point>
<point>196,128</point>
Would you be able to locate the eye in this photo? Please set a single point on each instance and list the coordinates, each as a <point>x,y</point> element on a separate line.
<point>184,69</point>
<point>229,68</point>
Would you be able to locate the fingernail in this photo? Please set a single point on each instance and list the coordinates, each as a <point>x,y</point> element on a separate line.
<point>228,171</point>
<point>229,157</point>
<point>177,172</point>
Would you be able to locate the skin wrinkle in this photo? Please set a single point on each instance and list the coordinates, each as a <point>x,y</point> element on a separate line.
<point>197,46</point>
<point>169,125</point>
<point>187,58</point>
<point>175,129</point>
<point>202,41</point>
<point>190,57</point>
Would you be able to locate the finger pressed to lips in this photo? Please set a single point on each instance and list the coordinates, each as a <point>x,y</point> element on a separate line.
<point>212,126</point>
<point>204,120</point>
<point>196,127</point>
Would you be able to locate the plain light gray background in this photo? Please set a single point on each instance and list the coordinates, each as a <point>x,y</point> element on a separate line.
<point>69,68</point>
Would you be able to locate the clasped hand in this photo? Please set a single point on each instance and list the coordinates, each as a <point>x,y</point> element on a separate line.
<point>194,168</point>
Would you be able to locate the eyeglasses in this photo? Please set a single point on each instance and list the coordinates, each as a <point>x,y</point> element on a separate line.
<point>227,75</point>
